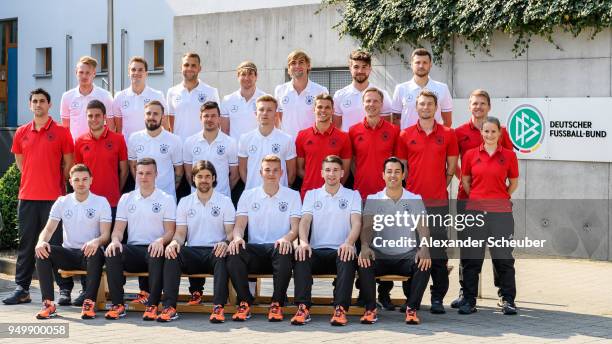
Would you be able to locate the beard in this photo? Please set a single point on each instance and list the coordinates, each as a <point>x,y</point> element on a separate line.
<point>152,125</point>
<point>203,188</point>
<point>360,78</point>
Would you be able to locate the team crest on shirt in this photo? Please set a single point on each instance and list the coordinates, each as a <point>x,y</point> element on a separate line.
<point>202,97</point>
<point>282,206</point>
<point>309,100</point>
<point>309,142</point>
<point>384,136</point>
<point>343,203</point>
<point>125,104</point>
<point>86,148</point>
<point>409,98</point>
<point>318,205</point>
<point>90,213</point>
<point>68,213</point>
<point>191,213</point>
<point>215,211</point>
<point>501,160</point>
<point>146,101</point>
<point>177,100</point>
<point>234,108</point>
<point>50,136</point>
<point>139,149</point>
<point>333,142</point>
<point>75,105</point>
<point>156,208</point>
<point>132,208</point>
<point>413,142</point>
<point>255,206</point>
<point>163,148</point>
<point>360,138</point>
<point>440,139</point>
<point>286,100</point>
<point>108,144</point>
<point>220,150</point>
<point>276,148</point>
<point>406,207</point>
<point>196,150</point>
<point>346,103</point>
<point>252,149</point>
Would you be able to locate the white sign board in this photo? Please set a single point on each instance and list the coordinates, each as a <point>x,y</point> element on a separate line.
<point>574,129</point>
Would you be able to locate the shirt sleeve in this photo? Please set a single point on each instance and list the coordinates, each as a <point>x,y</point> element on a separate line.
<point>400,148</point>
<point>356,203</point>
<point>505,139</point>
<point>223,108</point>
<point>386,109</point>
<point>116,108</point>
<point>123,155</point>
<point>122,208</point>
<point>229,213</point>
<point>232,152</point>
<point>78,156</point>
<point>16,146</point>
<point>419,206</point>
<point>216,95</point>
<point>290,149</point>
<point>242,147</point>
<point>105,212</point>
<point>396,102</point>
<point>170,210</point>
<point>181,212</point>
<point>446,103</point>
<point>337,104</point>
<point>277,95</point>
<point>452,148</point>
<point>162,99</point>
<point>177,152</point>
<point>67,143</point>
<point>131,149</point>
<point>466,163</point>
<point>299,146</point>
<point>108,104</point>
<point>243,204</point>
<point>64,107</point>
<point>188,152</point>
<point>347,149</point>
<point>56,209</point>
<point>169,98</point>
<point>513,168</point>
<point>307,207</point>
<point>296,205</point>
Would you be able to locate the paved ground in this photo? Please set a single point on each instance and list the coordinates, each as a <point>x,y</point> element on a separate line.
<point>559,300</point>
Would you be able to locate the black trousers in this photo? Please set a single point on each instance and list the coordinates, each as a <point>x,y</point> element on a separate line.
<point>439,258</point>
<point>496,225</point>
<point>134,258</point>
<point>70,259</point>
<point>260,259</point>
<point>32,217</point>
<point>324,261</point>
<point>405,267</point>
<point>195,260</point>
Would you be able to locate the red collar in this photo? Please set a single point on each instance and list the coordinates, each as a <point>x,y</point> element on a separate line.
<point>104,133</point>
<point>367,125</point>
<point>498,149</point>
<point>433,131</point>
<point>327,132</point>
<point>46,126</point>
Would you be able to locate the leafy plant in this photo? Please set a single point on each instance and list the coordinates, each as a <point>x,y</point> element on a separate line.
<point>9,190</point>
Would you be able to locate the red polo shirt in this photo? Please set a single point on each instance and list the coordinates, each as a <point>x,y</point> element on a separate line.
<point>468,137</point>
<point>426,156</point>
<point>102,156</point>
<point>313,146</point>
<point>489,174</point>
<point>371,147</point>
<point>42,151</point>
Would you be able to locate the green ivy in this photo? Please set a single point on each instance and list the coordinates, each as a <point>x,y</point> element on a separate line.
<point>9,190</point>
<point>384,25</point>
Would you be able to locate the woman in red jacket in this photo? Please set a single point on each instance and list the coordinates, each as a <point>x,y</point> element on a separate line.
<point>489,177</point>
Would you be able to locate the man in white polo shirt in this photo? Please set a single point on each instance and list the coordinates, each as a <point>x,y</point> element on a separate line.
<point>238,109</point>
<point>213,145</point>
<point>393,249</point>
<point>185,99</point>
<point>128,105</point>
<point>149,215</point>
<point>272,213</point>
<point>335,215</point>
<point>405,94</point>
<point>265,140</point>
<point>348,104</point>
<point>74,102</point>
<point>157,143</point>
<point>296,97</point>
<point>86,221</point>
<point>204,224</point>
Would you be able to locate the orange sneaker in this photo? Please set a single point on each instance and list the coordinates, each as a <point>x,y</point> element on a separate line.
<point>218,315</point>
<point>47,311</point>
<point>116,312</point>
<point>168,314</point>
<point>411,317</point>
<point>89,309</point>
<point>196,298</point>
<point>141,297</point>
<point>275,314</point>
<point>339,318</point>
<point>243,313</point>
<point>369,317</point>
<point>302,316</point>
<point>150,313</point>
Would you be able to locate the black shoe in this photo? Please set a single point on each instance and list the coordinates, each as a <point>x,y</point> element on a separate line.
<point>386,304</point>
<point>64,298</point>
<point>467,308</point>
<point>20,295</point>
<point>437,307</point>
<point>509,308</point>
<point>79,299</point>
<point>458,301</point>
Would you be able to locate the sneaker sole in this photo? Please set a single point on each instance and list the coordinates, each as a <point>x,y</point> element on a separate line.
<point>412,322</point>
<point>335,323</point>
<point>274,320</point>
<point>216,321</point>
<point>149,319</point>
<point>368,322</point>
<point>298,323</point>
<point>122,315</point>
<point>167,320</point>
<point>52,315</point>
<point>242,320</point>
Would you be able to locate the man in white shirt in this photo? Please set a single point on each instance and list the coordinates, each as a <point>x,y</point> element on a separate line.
<point>74,102</point>
<point>149,215</point>
<point>204,224</point>
<point>238,109</point>
<point>348,104</point>
<point>335,215</point>
<point>86,221</point>
<point>157,143</point>
<point>405,94</point>
<point>265,140</point>
<point>272,213</point>
<point>296,97</point>
<point>393,249</point>
<point>186,98</point>
<point>129,104</point>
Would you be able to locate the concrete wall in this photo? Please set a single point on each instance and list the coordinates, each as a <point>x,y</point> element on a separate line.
<point>582,68</point>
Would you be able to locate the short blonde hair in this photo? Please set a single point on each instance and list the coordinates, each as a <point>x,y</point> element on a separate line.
<point>271,158</point>
<point>267,98</point>
<point>427,93</point>
<point>246,66</point>
<point>481,93</point>
<point>90,61</point>
<point>373,89</point>
<point>296,55</point>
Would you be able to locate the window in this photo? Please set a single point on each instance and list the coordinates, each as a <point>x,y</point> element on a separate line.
<point>100,53</point>
<point>154,54</point>
<point>333,78</point>
<point>44,65</point>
